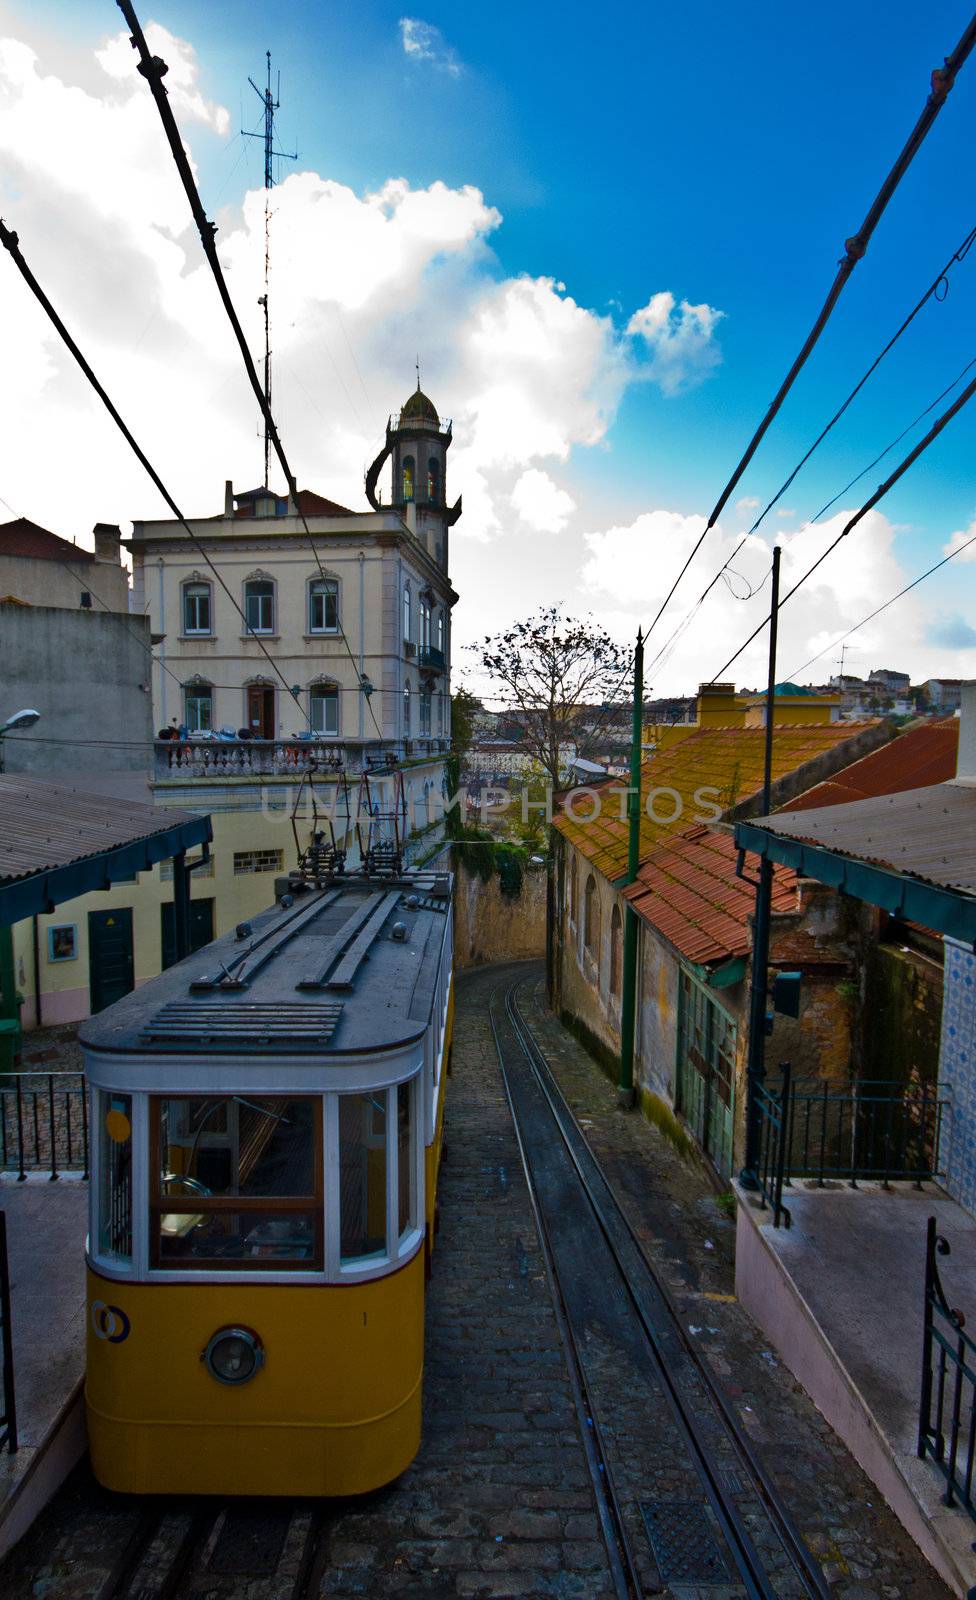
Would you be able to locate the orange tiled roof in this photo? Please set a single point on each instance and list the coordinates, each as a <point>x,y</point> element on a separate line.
<point>687,889</point>
<point>726,763</point>
<point>914,760</point>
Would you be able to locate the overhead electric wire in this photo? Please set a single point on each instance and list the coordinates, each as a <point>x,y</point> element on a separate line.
<point>868,505</point>
<point>10,242</point>
<point>958,255</point>
<point>855,247</point>
<point>889,447</point>
<point>153,69</point>
<point>889,602</point>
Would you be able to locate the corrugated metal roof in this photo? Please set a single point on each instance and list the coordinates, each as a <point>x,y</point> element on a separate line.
<point>688,891</point>
<point>44,826</point>
<point>916,758</point>
<point>724,765</point>
<point>927,833</point>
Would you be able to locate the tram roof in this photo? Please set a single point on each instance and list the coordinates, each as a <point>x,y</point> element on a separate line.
<point>330,974</point>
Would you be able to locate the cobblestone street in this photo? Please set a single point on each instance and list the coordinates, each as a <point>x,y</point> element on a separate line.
<point>498,1501</point>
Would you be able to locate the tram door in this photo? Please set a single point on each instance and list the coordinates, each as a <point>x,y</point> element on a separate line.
<point>706,1072</point>
<point>111,967</point>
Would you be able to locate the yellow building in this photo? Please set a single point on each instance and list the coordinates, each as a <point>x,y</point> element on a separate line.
<point>719,706</point>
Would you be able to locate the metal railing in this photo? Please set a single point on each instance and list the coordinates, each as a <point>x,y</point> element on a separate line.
<point>428,655</point>
<point>947,1408</point>
<point>192,759</point>
<point>873,1130</point>
<point>43,1123</point>
<point>8,1417</point>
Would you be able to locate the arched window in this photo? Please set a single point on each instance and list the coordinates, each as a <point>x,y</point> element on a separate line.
<point>198,706</point>
<point>407,622</point>
<point>408,477</point>
<point>197,612</point>
<point>591,920</point>
<point>323,706</point>
<point>323,606</point>
<point>425,699</point>
<point>425,623</point>
<point>573,893</point>
<point>406,710</point>
<point>434,480</point>
<point>259,605</point>
<point>441,632</point>
<point>616,964</point>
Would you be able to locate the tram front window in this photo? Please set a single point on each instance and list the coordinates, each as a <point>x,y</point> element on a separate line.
<point>114,1226</point>
<point>236,1182</point>
<point>362,1175</point>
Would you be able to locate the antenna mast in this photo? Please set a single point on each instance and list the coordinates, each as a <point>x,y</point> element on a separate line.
<point>271,102</point>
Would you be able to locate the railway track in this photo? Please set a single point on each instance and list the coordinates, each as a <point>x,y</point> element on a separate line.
<point>681,1495</point>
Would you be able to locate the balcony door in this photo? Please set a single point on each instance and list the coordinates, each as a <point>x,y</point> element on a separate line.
<point>261,711</point>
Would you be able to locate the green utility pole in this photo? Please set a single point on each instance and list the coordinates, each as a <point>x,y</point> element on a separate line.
<point>628,1000</point>
<point>756,1067</point>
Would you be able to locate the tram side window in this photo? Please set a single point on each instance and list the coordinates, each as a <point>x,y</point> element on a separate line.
<point>114,1225</point>
<point>406,1177</point>
<point>362,1175</point>
<point>237,1182</point>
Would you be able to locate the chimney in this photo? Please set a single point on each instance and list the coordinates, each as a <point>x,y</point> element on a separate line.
<point>108,538</point>
<point>966,759</point>
<point>718,706</point>
<point>228,497</point>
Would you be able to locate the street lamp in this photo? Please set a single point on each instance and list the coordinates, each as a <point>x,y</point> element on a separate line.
<point>20,719</point>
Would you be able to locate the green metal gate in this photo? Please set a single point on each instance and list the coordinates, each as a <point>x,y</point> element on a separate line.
<point>706,1071</point>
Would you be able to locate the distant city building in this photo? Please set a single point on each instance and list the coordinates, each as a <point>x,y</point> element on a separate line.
<point>944,693</point>
<point>891,682</point>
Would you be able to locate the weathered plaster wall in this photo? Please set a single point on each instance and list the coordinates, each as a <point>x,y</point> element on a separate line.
<point>583,994</point>
<point>903,1000</point>
<point>488,926</point>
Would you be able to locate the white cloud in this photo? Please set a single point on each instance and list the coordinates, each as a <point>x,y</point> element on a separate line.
<point>679,340</point>
<point>958,541</point>
<point>782,515</point>
<point>749,502</point>
<point>423,42</point>
<point>120,61</point>
<point>540,503</point>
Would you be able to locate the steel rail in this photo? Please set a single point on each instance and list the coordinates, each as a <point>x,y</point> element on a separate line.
<point>623,1569</point>
<point>804,1564</point>
<point>118,1582</point>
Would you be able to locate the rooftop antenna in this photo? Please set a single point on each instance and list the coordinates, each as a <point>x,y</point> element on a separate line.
<point>271,102</point>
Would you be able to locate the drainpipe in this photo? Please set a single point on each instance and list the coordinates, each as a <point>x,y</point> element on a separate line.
<point>625,1086</point>
<point>8,988</point>
<point>362,638</point>
<point>756,1068</point>
<point>37,974</point>
<point>163,721</point>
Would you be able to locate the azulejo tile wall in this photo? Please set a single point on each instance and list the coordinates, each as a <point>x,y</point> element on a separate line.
<point>957,1071</point>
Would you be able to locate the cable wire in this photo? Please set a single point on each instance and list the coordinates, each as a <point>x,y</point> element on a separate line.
<point>11,243</point>
<point>958,255</point>
<point>890,602</point>
<point>868,505</point>
<point>153,69</point>
<point>855,247</point>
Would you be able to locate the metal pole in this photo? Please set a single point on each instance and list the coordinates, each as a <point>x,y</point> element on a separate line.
<point>181,905</point>
<point>628,998</point>
<point>756,1070</point>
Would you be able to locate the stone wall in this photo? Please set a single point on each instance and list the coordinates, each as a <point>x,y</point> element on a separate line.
<point>490,926</point>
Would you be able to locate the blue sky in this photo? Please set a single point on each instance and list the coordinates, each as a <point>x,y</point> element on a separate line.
<point>719,153</point>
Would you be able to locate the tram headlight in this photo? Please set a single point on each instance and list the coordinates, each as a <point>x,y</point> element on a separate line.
<point>233,1355</point>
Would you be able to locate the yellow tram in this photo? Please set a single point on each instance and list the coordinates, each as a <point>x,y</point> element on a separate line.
<point>266,1125</point>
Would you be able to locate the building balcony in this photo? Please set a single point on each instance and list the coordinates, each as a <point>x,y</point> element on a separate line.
<point>430,657</point>
<point>207,759</point>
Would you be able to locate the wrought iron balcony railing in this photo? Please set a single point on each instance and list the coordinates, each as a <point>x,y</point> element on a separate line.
<point>429,656</point>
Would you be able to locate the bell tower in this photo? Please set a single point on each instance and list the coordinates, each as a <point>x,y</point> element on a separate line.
<point>417,441</point>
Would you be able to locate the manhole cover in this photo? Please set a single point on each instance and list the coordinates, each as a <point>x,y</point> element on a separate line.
<point>683,1543</point>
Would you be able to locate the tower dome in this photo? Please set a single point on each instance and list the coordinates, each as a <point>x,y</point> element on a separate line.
<point>419,409</point>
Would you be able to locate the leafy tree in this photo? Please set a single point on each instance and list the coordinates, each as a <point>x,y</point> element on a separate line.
<point>557,674</point>
<point>464,706</point>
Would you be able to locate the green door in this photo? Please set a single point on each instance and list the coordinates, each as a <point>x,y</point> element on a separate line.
<point>706,1072</point>
<point>111,968</point>
<point>201,928</point>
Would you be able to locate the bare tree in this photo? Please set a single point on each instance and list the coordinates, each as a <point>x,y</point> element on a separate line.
<point>558,675</point>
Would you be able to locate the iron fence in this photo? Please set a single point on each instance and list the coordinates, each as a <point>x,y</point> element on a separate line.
<point>43,1123</point>
<point>8,1417</point>
<point>874,1130</point>
<point>947,1409</point>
